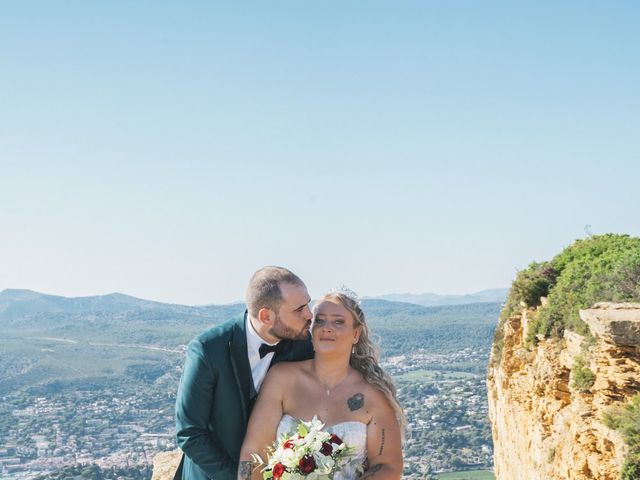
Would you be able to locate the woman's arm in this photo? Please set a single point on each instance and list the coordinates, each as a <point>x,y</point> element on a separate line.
<point>384,444</point>
<point>266,415</point>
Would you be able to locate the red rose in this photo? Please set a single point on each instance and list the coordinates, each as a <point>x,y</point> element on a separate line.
<point>277,470</point>
<point>288,444</point>
<point>326,449</point>
<point>335,439</point>
<point>307,464</point>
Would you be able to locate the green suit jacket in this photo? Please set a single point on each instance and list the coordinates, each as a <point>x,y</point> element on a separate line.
<point>215,399</point>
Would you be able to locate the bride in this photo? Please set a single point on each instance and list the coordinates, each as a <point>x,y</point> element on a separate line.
<point>343,386</point>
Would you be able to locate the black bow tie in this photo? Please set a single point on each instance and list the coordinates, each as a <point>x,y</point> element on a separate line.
<point>265,349</point>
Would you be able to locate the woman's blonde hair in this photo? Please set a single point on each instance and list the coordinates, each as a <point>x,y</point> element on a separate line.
<point>365,354</point>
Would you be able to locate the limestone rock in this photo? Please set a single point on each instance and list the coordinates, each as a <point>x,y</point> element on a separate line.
<point>617,323</point>
<point>165,464</point>
<point>545,429</point>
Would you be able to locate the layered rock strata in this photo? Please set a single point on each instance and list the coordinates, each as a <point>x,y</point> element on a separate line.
<point>543,426</point>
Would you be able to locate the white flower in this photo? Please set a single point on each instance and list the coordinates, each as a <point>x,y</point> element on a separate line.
<point>307,439</point>
<point>324,464</point>
<point>289,458</point>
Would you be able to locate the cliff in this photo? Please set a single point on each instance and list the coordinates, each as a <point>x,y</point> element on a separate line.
<point>547,423</point>
<point>165,464</point>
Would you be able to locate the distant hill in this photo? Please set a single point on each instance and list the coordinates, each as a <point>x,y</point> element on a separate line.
<point>124,319</point>
<point>433,299</point>
<point>26,308</point>
<point>30,306</point>
<point>48,338</point>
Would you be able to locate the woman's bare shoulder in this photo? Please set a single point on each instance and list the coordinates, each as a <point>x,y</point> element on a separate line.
<point>375,400</point>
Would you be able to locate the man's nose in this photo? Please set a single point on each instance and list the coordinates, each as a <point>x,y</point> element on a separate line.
<point>307,313</point>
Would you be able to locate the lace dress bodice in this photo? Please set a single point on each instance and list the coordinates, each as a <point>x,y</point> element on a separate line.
<point>354,434</point>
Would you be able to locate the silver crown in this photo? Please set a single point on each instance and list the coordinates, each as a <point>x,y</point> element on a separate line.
<point>347,292</point>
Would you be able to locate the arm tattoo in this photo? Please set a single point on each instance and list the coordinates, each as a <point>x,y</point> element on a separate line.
<point>245,469</point>
<point>371,472</point>
<point>356,402</point>
<point>381,443</point>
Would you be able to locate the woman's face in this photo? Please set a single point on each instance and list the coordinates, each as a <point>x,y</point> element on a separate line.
<point>334,328</point>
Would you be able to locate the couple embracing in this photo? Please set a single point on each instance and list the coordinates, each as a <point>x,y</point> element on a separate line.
<point>333,374</point>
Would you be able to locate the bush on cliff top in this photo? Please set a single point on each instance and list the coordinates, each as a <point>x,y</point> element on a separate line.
<point>602,268</point>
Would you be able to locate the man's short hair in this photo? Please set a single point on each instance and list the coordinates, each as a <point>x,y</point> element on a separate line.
<point>264,288</point>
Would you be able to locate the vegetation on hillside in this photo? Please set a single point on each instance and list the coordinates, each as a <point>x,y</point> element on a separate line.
<point>582,377</point>
<point>601,268</point>
<point>627,421</point>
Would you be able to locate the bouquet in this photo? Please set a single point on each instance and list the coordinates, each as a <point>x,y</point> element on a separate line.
<point>309,454</point>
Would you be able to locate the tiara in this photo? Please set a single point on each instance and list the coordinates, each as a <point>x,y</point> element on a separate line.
<point>347,292</point>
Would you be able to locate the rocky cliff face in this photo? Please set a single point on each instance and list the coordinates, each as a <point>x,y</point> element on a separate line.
<point>165,464</point>
<point>544,426</point>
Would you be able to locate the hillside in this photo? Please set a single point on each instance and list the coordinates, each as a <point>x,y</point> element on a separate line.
<point>52,339</point>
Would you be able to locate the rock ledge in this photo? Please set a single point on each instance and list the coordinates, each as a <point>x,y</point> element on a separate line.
<point>617,323</point>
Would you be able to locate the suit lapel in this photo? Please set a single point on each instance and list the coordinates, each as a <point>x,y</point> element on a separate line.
<point>241,367</point>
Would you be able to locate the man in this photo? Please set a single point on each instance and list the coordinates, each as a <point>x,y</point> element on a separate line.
<point>226,365</point>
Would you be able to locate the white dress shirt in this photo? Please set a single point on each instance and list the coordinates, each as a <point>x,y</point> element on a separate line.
<point>259,366</point>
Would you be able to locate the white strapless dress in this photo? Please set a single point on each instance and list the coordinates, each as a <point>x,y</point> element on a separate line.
<point>354,434</point>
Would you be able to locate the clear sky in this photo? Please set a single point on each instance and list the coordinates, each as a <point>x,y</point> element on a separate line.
<point>168,149</point>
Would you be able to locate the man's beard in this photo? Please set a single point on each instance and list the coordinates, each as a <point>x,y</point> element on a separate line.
<point>284,332</point>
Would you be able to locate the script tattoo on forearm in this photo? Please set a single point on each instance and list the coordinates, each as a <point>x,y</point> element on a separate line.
<point>245,469</point>
<point>356,402</point>
<point>371,472</point>
<point>381,443</point>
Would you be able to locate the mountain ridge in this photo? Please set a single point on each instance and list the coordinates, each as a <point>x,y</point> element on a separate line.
<point>11,296</point>
<point>434,299</point>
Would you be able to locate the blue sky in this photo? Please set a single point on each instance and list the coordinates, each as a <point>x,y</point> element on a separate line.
<point>166,150</point>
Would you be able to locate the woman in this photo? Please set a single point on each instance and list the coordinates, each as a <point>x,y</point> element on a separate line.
<point>343,386</point>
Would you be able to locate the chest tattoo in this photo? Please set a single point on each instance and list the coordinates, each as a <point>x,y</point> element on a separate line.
<point>356,402</point>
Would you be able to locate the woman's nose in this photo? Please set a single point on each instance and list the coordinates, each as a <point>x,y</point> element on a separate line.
<point>327,326</point>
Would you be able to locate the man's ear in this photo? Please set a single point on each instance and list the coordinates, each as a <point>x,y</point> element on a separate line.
<point>265,316</point>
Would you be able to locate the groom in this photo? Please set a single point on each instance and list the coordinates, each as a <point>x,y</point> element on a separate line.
<point>226,365</point>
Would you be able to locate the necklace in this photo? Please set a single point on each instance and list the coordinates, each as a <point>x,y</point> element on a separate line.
<point>328,389</point>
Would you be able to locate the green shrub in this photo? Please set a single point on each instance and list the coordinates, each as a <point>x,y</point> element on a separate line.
<point>583,378</point>
<point>631,468</point>
<point>627,421</point>
<point>533,283</point>
<point>602,268</point>
<point>530,285</point>
<point>598,269</point>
